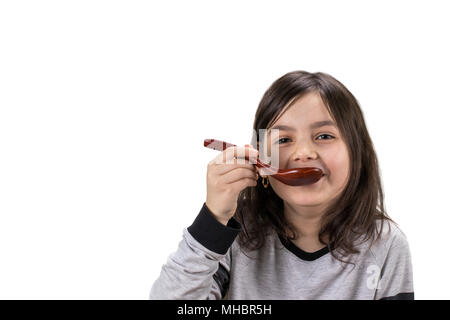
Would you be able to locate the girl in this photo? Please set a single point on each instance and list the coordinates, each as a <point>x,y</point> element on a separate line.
<point>257,238</point>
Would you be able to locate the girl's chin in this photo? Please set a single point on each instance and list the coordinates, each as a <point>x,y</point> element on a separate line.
<point>304,195</point>
<point>306,198</point>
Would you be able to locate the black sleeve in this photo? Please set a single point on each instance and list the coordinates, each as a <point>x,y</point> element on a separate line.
<point>401,296</point>
<point>211,233</point>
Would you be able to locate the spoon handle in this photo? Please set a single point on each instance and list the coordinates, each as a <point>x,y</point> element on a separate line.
<point>217,144</point>
<point>222,145</point>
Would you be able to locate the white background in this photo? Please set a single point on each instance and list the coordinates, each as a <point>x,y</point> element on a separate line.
<point>104,106</point>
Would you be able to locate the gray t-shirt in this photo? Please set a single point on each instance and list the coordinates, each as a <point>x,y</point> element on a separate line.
<point>209,264</point>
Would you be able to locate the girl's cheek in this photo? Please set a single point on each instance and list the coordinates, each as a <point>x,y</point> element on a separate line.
<point>338,164</point>
<point>334,159</point>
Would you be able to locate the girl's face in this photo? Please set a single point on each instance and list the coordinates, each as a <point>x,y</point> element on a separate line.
<point>305,141</point>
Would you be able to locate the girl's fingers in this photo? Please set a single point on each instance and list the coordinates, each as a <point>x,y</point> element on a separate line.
<point>239,174</point>
<point>244,183</point>
<point>235,157</point>
<point>226,168</point>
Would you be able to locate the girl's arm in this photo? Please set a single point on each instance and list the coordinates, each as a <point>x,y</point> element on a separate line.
<point>200,268</point>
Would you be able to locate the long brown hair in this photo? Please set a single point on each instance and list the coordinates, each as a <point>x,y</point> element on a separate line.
<point>354,214</point>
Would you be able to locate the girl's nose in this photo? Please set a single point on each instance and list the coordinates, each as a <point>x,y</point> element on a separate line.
<point>303,152</point>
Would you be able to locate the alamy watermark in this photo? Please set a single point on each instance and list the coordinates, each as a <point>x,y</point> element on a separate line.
<point>373,280</point>
<point>268,148</point>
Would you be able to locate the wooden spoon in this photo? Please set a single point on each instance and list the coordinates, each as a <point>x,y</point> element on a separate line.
<point>291,177</point>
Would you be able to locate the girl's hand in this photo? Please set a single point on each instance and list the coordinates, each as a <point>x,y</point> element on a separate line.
<point>227,177</point>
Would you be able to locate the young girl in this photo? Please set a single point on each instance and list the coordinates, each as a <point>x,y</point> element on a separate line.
<point>262,239</point>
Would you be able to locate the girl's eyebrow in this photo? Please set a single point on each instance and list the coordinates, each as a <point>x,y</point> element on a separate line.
<point>323,123</point>
<point>313,125</point>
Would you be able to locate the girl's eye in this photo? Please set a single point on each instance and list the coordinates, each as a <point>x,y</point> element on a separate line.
<point>279,141</point>
<point>325,135</point>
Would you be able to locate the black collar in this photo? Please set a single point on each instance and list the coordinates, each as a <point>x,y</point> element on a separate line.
<point>307,256</point>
